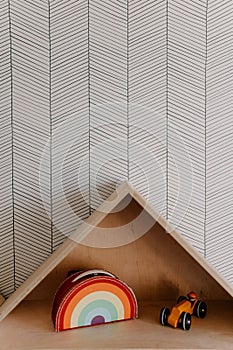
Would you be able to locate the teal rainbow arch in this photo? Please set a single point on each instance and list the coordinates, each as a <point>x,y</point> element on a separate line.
<point>95,308</point>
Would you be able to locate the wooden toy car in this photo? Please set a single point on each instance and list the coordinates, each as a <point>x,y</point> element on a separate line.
<point>180,315</point>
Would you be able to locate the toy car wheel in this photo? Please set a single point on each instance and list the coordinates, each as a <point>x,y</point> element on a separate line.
<point>181,298</point>
<point>185,321</point>
<point>164,314</point>
<point>200,309</point>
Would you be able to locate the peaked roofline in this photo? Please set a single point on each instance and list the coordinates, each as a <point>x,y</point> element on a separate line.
<point>86,227</point>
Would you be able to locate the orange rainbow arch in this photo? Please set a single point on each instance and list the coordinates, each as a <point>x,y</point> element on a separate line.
<point>92,297</point>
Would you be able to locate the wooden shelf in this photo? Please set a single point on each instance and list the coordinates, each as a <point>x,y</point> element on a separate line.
<point>122,219</point>
<point>157,265</point>
<point>29,326</point>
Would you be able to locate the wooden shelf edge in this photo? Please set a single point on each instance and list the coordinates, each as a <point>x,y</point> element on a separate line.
<point>2,299</point>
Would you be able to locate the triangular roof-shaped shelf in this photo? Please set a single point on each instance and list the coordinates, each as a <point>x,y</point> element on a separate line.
<point>124,190</point>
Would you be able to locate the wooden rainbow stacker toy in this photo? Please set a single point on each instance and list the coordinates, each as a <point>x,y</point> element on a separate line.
<point>92,297</point>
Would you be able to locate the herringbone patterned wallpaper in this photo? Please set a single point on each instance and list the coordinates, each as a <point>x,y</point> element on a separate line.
<point>94,92</point>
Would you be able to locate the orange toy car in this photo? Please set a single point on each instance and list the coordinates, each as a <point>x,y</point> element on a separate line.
<point>180,315</point>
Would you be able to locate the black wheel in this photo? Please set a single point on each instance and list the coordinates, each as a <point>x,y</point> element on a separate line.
<point>181,298</point>
<point>200,309</point>
<point>164,314</point>
<point>185,321</point>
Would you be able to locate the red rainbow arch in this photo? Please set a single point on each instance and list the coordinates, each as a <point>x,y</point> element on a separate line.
<point>92,297</point>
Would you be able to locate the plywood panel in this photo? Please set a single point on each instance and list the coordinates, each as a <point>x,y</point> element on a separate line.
<point>33,329</point>
<point>154,265</point>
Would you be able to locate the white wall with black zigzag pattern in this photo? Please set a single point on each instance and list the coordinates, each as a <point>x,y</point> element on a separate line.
<point>94,92</point>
